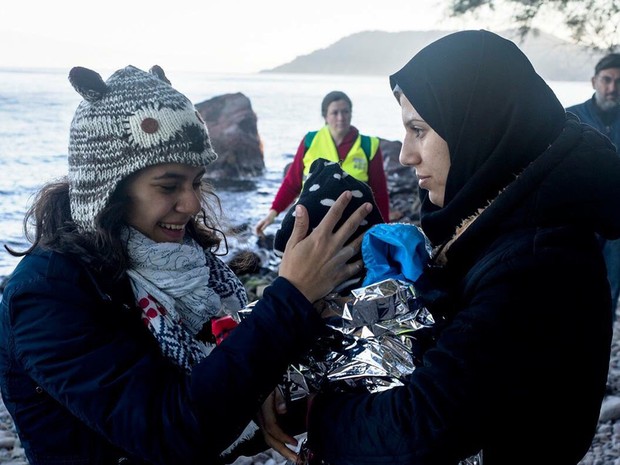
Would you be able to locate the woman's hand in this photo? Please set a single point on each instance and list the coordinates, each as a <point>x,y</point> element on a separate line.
<point>275,437</point>
<point>262,224</point>
<point>317,263</point>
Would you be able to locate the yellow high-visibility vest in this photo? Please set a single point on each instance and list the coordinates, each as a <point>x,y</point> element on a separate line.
<point>319,144</point>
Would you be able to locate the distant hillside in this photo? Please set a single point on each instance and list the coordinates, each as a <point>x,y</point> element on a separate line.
<point>382,53</point>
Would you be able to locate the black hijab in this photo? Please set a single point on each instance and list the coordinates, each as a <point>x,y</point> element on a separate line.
<point>480,93</point>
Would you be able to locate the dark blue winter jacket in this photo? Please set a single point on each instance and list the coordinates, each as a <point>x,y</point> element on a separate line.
<point>587,113</point>
<point>86,382</point>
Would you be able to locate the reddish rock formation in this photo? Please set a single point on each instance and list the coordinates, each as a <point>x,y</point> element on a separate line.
<point>234,135</point>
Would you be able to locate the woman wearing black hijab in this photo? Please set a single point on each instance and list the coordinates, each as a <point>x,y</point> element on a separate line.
<point>514,192</point>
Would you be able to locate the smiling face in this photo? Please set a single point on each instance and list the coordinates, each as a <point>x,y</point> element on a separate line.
<point>162,200</point>
<point>426,151</point>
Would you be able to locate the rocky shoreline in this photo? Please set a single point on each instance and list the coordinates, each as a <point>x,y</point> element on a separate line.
<point>605,448</point>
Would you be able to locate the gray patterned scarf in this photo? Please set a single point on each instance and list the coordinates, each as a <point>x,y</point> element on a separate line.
<point>180,287</point>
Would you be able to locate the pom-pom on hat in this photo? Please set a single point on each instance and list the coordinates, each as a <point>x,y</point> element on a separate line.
<point>133,120</point>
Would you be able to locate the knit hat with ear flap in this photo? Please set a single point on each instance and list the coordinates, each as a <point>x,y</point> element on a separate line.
<point>133,120</point>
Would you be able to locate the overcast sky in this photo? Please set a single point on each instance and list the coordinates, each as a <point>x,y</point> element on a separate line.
<point>219,36</point>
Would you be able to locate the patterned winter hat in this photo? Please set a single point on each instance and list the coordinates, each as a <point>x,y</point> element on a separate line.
<point>133,120</point>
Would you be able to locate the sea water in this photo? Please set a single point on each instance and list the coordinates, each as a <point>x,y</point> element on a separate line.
<point>36,107</point>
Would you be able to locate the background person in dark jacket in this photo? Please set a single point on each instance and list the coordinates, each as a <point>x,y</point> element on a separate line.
<point>602,112</point>
<point>106,353</point>
<point>514,192</point>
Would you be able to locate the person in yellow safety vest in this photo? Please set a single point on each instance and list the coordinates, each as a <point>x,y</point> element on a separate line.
<point>320,144</point>
<point>338,140</point>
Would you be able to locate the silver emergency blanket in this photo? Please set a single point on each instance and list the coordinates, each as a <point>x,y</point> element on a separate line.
<point>369,343</point>
<point>371,331</point>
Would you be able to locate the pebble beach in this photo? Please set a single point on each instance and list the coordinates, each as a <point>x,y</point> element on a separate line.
<point>605,448</point>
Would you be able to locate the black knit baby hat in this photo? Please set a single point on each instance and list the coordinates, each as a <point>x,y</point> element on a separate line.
<point>133,120</point>
<point>325,182</point>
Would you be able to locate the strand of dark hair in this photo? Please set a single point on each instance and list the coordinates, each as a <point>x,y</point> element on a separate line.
<point>48,224</point>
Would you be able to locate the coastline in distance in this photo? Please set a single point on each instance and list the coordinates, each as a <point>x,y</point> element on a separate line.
<point>383,53</point>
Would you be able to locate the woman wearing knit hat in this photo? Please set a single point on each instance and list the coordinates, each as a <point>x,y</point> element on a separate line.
<point>514,193</point>
<point>106,353</point>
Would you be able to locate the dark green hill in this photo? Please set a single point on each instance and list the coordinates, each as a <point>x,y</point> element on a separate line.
<point>382,53</point>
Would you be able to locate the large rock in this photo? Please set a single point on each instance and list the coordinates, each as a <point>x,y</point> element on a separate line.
<point>234,135</point>
<point>402,184</point>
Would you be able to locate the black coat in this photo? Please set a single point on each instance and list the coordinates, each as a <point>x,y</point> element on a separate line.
<point>521,351</point>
